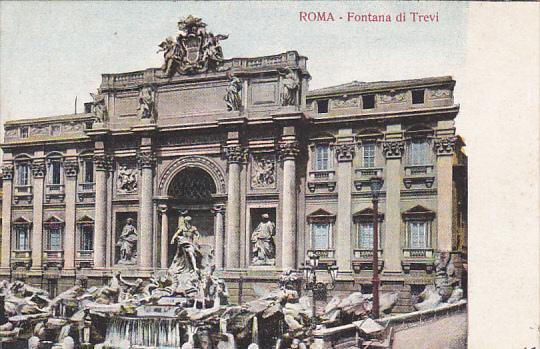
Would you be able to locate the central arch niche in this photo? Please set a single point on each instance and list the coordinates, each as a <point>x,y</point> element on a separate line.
<point>192,189</point>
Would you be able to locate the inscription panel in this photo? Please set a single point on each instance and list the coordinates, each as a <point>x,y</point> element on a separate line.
<point>208,99</point>
<point>264,94</point>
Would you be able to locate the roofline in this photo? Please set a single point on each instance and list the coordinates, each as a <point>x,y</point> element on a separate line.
<point>49,119</point>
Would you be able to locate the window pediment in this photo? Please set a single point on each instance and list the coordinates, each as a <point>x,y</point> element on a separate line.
<point>366,215</point>
<point>53,220</point>
<point>321,216</point>
<point>85,220</point>
<point>22,221</point>
<point>418,212</point>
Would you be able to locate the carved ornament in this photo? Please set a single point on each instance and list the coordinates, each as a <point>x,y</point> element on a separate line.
<point>345,151</point>
<point>146,158</point>
<point>445,146</point>
<point>71,167</point>
<point>102,162</point>
<point>7,172</point>
<point>289,150</point>
<point>235,153</point>
<point>38,169</point>
<point>263,171</point>
<point>393,149</point>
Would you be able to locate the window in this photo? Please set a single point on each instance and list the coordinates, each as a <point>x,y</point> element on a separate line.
<point>365,235</point>
<point>55,172</point>
<point>368,155</point>
<point>322,106</point>
<point>321,238</point>
<point>55,130</point>
<point>52,287</point>
<point>87,237</point>
<point>23,132</point>
<point>368,101</point>
<point>88,171</point>
<point>418,234</point>
<point>322,157</point>
<point>22,237</point>
<point>418,96</point>
<point>420,153</point>
<point>23,174</point>
<point>54,238</point>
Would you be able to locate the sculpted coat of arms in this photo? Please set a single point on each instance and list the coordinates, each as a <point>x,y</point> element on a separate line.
<point>194,51</point>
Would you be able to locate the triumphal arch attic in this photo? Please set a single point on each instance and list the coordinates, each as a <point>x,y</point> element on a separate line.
<point>239,150</point>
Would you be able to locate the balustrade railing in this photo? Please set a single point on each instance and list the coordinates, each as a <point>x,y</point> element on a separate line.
<point>361,253</point>
<point>418,253</point>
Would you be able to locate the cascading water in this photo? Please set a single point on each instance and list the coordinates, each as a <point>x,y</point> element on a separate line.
<point>255,331</point>
<point>145,332</point>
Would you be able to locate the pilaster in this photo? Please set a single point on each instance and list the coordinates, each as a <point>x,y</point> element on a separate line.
<point>7,192</point>
<point>102,164</point>
<point>71,168</point>
<point>38,172</point>
<point>444,147</point>
<point>393,149</point>
<point>345,149</point>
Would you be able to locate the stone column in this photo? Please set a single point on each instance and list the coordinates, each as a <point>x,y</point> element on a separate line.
<point>71,168</point>
<point>101,165</point>
<point>7,175</point>
<point>145,242</point>
<point>38,171</point>
<point>445,151</point>
<point>344,242</point>
<point>288,150</point>
<point>235,155</point>
<point>393,150</point>
<point>219,212</point>
<point>164,246</point>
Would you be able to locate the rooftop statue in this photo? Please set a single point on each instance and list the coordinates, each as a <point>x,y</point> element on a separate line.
<point>98,107</point>
<point>232,98</point>
<point>194,51</point>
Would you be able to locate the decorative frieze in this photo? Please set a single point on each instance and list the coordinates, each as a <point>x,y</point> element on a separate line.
<point>71,167</point>
<point>445,146</point>
<point>393,149</point>
<point>392,97</point>
<point>439,94</point>
<point>345,102</point>
<point>289,150</point>
<point>345,151</point>
<point>38,169</point>
<point>234,153</point>
<point>127,179</point>
<point>7,172</point>
<point>146,158</point>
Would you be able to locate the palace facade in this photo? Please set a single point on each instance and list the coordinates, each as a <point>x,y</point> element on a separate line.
<point>228,141</point>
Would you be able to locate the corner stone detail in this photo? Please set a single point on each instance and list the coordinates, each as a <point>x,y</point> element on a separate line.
<point>393,149</point>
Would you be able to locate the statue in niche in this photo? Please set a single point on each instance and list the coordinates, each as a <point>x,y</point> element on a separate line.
<point>290,83</point>
<point>262,238</point>
<point>98,107</point>
<point>232,98</point>
<point>127,179</point>
<point>188,255</point>
<point>127,242</point>
<point>264,172</point>
<point>147,106</point>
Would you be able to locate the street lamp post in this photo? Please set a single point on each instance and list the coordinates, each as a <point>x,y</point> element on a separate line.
<point>318,288</point>
<point>376,184</point>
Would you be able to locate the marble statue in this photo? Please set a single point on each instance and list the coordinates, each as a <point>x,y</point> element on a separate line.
<point>127,179</point>
<point>262,239</point>
<point>127,242</point>
<point>290,84</point>
<point>98,107</point>
<point>147,106</point>
<point>232,98</point>
<point>195,50</point>
<point>187,250</point>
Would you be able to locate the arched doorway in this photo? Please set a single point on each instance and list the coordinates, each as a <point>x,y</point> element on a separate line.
<point>192,190</point>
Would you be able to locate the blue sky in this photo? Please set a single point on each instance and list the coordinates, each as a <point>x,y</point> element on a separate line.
<point>52,52</point>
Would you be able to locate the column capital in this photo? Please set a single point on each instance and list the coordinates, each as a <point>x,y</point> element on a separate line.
<point>7,172</point>
<point>102,162</point>
<point>162,208</point>
<point>445,146</point>
<point>235,153</point>
<point>38,168</point>
<point>288,150</point>
<point>345,151</point>
<point>218,208</point>
<point>146,158</point>
<point>71,167</point>
<point>393,149</point>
